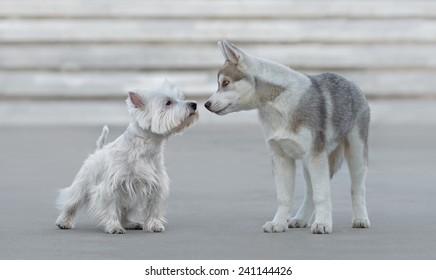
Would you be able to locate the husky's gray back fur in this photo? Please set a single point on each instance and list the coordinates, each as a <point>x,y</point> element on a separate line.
<point>331,100</point>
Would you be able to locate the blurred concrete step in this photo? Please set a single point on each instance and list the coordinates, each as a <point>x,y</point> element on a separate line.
<point>115,85</point>
<point>79,49</point>
<point>365,31</point>
<point>198,57</point>
<point>218,9</point>
<point>16,113</point>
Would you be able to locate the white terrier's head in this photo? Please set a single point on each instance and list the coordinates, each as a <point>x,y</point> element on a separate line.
<point>162,110</point>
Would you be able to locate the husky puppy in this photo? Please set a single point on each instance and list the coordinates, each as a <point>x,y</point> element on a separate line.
<point>317,119</point>
<point>126,179</point>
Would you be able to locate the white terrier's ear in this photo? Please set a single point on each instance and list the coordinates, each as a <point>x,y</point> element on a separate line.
<point>173,88</point>
<point>136,100</point>
<point>231,52</point>
<point>169,85</point>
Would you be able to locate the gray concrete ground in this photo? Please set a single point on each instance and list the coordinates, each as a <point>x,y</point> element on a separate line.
<point>222,192</point>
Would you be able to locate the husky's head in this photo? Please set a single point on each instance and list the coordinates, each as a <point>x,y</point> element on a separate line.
<point>236,82</point>
<point>162,110</point>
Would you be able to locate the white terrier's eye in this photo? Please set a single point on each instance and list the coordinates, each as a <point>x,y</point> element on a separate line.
<point>168,103</point>
<point>225,83</point>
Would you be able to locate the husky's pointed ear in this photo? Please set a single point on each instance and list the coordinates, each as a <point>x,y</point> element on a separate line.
<point>231,52</point>
<point>136,100</point>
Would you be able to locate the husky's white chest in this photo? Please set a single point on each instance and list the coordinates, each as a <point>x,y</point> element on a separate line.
<point>283,141</point>
<point>295,146</point>
<point>279,136</point>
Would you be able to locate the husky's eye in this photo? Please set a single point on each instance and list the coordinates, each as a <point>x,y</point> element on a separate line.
<point>168,103</point>
<point>225,83</point>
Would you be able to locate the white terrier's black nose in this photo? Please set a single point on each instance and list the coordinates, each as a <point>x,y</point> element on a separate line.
<point>207,104</point>
<point>193,105</point>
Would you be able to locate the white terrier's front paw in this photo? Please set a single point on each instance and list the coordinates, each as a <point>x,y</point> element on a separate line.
<point>320,228</point>
<point>155,226</point>
<point>298,223</point>
<point>134,225</point>
<point>361,223</point>
<point>274,227</point>
<point>116,230</point>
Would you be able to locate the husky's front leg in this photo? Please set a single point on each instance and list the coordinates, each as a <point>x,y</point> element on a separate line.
<point>318,168</point>
<point>284,176</point>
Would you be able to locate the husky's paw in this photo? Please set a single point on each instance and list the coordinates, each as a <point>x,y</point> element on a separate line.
<point>116,230</point>
<point>361,223</point>
<point>298,223</point>
<point>319,228</point>
<point>274,227</point>
<point>154,226</point>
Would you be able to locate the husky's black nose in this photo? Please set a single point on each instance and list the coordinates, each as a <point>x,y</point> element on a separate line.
<point>193,105</point>
<point>207,104</point>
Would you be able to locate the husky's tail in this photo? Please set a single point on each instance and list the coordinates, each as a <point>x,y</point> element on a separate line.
<point>336,158</point>
<point>102,139</point>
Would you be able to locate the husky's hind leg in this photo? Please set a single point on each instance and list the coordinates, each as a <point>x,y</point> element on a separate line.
<point>356,153</point>
<point>305,212</point>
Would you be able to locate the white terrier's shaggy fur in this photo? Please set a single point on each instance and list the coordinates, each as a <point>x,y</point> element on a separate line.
<point>126,179</point>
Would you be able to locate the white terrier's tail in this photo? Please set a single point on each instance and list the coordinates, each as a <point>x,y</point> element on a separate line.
<point>102,139</point>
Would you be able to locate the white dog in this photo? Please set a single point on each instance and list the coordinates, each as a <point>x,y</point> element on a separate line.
<point>126,179</point>
<point>315,118</point>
